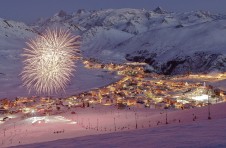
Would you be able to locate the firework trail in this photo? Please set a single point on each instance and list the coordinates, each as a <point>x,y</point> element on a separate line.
<point>49,61</point>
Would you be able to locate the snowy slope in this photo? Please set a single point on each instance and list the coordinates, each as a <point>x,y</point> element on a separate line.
<point>11,29</point>
<point>203,134</point>
<point>12,39</point>
<point>186,133</point>
<point>200,48</point>
<point>171,42</point>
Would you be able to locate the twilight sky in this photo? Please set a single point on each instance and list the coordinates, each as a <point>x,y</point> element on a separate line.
<point>30,10</point>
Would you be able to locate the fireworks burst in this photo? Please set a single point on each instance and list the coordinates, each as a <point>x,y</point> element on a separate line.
<point>49,61</point>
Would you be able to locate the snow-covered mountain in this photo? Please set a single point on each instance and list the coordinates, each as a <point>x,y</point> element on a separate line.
<point>170,42</point>
<point>12,29</point>
<point>13,36</point>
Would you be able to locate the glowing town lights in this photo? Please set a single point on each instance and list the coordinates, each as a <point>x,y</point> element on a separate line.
<point>49,61</point>
<point>32,111</point>
<point>200,98</point>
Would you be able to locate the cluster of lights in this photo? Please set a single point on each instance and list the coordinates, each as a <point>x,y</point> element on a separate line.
<point>200,98</point>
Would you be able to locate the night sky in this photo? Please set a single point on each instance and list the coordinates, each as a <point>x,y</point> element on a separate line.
<point>30,10</point>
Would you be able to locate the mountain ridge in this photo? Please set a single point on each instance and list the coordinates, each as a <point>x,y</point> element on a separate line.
<point>118,35</point>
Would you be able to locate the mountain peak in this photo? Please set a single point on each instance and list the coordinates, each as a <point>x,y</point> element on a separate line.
<point>81,11</point>
<point>159,10</point>
<point>62,13</point>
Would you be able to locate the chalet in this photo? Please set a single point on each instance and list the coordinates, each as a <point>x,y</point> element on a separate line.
<point>140,105</point>
<point>131,102</point>
<point>178,105</point>
<point>121,105</point>
<point>160,105</point>
<point>108,101</point>
<point>151,106</point>
<point>66,103</point>
<point>3,111</point>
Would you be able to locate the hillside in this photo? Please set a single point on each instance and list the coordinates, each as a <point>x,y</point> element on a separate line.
<point>184,136</point>
<point>188,132</point>
<point>172,43</point>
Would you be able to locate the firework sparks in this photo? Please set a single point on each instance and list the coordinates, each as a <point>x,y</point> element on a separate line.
<point>49,61</point>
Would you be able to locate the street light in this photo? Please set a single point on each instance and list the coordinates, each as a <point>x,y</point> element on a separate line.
<point>32,112</point>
